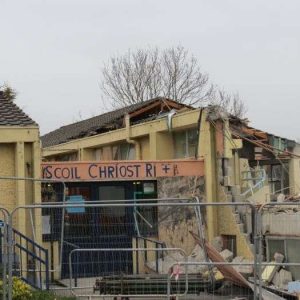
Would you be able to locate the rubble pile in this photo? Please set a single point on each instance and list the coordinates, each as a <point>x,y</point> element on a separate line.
<point>164,263</point>
<point>276,276</point>
<point>198,256</point>
<point>279,197</point>
<point>276,279</point>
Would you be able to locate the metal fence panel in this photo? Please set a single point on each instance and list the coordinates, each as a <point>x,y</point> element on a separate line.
<point>129,248</point>
<point>279,256</point>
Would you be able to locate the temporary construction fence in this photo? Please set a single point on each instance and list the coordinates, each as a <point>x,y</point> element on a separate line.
<point>142,248</point>
<point>125,248</point>
<point>278,251</point>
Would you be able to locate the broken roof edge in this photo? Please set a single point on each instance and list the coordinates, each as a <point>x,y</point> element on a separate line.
<point>142,103</point>
<point>92,126</point>
<point>148,122</point>
<point>245,123</point>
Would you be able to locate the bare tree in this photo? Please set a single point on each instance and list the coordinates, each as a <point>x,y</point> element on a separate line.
<point>173,73</point>
<point>148,73</point>
<point>182,78</point>
<point>230,102</point>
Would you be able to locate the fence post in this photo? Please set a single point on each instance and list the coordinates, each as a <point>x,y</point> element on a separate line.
<point>10,256</point>
<point>257,262</point>
<point>47,270</point>
<point>260,247</point>
<point>4,253</point>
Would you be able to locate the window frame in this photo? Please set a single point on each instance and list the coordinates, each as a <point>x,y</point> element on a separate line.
<point>187,145</point>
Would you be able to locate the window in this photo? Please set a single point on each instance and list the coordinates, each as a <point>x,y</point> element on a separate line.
<point>124,152</point>
<point>289,247</point>
<point>185,143</point>
<point>67,157</point>
<point>229,242</point>
<point>279,178</point>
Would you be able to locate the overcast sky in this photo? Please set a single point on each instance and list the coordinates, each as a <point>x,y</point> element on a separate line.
<point>52,52</point>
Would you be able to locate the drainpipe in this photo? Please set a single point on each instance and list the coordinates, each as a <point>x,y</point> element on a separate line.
<point>169,119</point>
<point>131,141</point>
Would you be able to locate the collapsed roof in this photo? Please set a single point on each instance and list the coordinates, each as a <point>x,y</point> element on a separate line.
<point>112,120</point>
<point>266,145</point>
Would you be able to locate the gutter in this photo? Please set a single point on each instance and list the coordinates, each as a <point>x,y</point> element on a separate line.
<point>131,141</point>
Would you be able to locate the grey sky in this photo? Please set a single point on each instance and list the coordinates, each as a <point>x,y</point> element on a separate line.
<point>52,51</point>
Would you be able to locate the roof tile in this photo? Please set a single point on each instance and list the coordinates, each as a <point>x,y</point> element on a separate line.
<point>12,115</point>
<point>85,127</point>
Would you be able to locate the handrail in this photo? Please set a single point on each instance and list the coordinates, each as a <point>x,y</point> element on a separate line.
<point>39,256</point>
<point>162,244</point>
<point>158,244</point>
<point>32,242</point>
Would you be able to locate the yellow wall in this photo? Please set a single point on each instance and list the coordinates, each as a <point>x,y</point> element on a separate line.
<point>138,257</point>
<point>156,143</point>
<point>229,226</point>
<point>145,150</point>
<point>140,131</point>
<point>20,157</point>
<point>7,168</point>
<point>207,150</point>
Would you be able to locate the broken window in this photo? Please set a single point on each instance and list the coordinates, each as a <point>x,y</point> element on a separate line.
<point>185,143</point>
<point>279,178</point>
<point>289,247</point>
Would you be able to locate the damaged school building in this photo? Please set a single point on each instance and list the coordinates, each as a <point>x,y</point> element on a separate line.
<point>157,149</point>
<point>229,161</point>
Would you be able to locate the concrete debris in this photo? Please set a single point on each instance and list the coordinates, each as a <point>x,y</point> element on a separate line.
<point>227,255</point>
<point>217,243</point>
<point>282,278</point>
<point>228,271</point>
<point>267,295</point>
<point>294,287</point>
<point>165,263</point>
<point>270,271</point>
<point>197,255</point>
<point>245,270</point>
<point>280,197</point>
<point>278,257</point>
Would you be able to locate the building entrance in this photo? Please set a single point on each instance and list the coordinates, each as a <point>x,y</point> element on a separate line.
<point>106,227</point>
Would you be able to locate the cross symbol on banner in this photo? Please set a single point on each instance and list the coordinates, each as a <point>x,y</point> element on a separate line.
<point>166,168</point>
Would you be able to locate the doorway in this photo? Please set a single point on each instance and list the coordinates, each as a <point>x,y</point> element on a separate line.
<point>110,227</point>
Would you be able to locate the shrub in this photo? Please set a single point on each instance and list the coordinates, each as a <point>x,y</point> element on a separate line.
<point>45,295</point>
<point>22,291</point>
